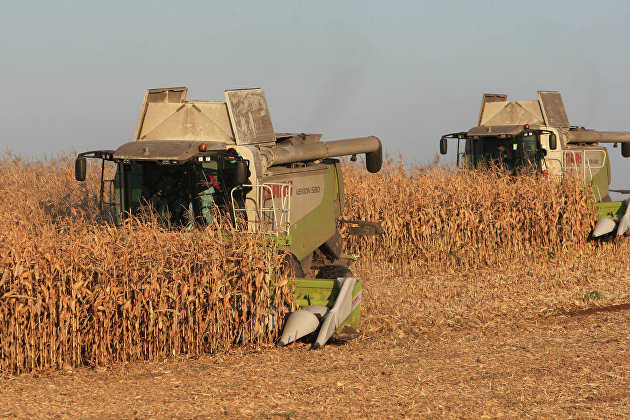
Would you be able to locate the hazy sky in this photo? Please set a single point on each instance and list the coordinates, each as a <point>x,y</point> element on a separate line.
<point>74,72</point>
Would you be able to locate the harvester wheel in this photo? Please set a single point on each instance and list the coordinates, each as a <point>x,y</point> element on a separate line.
<point>293,264</point>
<point>333,272</point>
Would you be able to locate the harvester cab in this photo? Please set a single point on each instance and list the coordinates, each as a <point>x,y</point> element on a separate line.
<point>535,136</point>
<point>195,161</point>
<point>515,147</point>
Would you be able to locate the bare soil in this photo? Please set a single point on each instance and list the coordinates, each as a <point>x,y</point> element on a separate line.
<point>571,365</point>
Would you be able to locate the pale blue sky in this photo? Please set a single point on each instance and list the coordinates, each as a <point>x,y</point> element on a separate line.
<point>74,72</point>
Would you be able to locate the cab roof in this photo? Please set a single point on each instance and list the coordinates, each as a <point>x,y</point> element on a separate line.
<point>496,131</point>
<point>174,151</point>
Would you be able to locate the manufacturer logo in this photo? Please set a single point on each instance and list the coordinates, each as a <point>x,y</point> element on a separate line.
<point>278,191</point>
<point>574,158</point>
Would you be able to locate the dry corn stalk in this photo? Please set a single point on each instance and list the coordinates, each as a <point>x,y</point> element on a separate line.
<point>443,218</point>
<point>74,291</point>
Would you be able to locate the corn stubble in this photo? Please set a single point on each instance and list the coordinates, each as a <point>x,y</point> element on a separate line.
<point>75,291</point>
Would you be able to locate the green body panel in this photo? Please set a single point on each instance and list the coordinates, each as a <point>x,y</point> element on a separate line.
<point>600,184</point>
<point>324,292</point>
<point>316,227</point>
<point>285,240</point>
<point>600,180</point>
<point>340,191</point>
<point>615,209</point>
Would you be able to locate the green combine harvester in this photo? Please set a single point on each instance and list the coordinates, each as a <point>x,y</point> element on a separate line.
<point>191,158</point>
<point>535,136</point>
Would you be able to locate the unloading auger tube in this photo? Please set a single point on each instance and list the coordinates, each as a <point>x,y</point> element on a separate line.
<point>371,146</point>
<point>594,136</point>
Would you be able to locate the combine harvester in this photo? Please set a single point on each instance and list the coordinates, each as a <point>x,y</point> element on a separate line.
<point>190,158</point>
<point>535,136</point>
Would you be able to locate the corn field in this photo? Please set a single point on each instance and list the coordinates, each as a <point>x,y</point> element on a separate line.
<point>76,292</point>
<point>440,218</point>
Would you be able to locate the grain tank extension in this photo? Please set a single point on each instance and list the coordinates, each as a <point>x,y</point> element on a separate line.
<point>193,161</point>
<point>535,136</point>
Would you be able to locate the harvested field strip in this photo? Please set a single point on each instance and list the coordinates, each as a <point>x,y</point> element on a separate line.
<point>417,302</point>
<point>573,367</point>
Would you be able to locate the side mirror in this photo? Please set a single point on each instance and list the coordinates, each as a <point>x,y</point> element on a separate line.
<point>553,141</point>
<point>80,169</point>
<point>241,173</point>
<point>443,146</point>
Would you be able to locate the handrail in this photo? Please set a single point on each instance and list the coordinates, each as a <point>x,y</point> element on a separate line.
<point>580,163</point>
<point>269,219</point>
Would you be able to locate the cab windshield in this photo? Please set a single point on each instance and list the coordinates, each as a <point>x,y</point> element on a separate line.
<point>521,152</point>
<point>182,195</point>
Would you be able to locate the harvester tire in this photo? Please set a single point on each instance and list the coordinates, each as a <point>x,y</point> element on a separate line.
<point>333,272</point>
<point>294,266</point>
